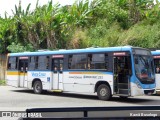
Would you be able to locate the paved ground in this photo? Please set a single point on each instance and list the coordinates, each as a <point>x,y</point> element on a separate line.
<point>18,99</point>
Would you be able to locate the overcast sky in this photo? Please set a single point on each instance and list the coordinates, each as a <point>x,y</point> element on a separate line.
<point>9,5</point>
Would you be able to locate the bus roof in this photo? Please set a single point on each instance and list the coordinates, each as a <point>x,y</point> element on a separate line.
<point>72,51</point>
<point>157,52</point>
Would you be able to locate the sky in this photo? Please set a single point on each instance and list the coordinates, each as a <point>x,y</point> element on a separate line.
<point>9,5</point>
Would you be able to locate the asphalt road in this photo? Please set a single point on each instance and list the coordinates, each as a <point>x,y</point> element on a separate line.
<point>20,99</point>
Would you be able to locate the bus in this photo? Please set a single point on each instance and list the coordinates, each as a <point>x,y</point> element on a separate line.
<point>156,57</point>
<point>123,71</point>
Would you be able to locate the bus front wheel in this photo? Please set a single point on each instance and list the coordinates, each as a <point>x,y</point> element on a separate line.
<point>37,87</point>
<point>104,92</point>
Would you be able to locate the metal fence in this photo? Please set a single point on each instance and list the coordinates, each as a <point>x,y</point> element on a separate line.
<point>3,59</point>
<point>137,112</point>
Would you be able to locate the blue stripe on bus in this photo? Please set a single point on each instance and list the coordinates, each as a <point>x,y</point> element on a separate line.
<point>148,86</point>
<point>134,79</point>
<point>89,50</point>
<point>155,52</point>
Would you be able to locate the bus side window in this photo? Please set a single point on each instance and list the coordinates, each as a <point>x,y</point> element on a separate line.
<point>79,61</point>
<point>20,68</point>
<point>9,65</point>
<point>157,65</point>
<point>55,65</point>
<point>12,63</point>
<point>89,61</point>
<point>47,62</point>
<point>157,69</point>
<point>36,62</point>
<point>61,66</point>
<point>69,61</point>
<point>98,61</point>
<point>126,65</point>
<point>32,63</point>
<point>106,61</point>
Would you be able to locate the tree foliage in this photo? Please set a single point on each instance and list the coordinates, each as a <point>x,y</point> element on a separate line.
<point>83,24</point>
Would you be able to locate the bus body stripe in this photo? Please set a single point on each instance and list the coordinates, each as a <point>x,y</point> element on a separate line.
<point>91,73</point>
<point>15,73</point>
<point>20,73</point>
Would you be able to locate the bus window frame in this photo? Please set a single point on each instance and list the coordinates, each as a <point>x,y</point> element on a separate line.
<point>94,62</point>
<point>36,67</point>
<point>16,63</point>
<point>109,57</point>
<point>72,60</point>
<point>156,65</point>
<point>129,56</point>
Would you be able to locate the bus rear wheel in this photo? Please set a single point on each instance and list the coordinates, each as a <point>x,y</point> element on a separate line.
<point>37,87</point>
<point>104,92</point>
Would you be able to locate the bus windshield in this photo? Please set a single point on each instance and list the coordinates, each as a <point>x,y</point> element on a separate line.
<point>144,68</point>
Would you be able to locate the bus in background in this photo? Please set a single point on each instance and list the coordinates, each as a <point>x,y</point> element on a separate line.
<point>121,71</point>
<point>156,57</point>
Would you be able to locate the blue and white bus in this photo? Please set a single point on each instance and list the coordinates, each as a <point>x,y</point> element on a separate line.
<point>122,71</point>
<point>156,57</point>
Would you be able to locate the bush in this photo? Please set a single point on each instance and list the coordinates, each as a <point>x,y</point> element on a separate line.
<point>79,39</point>
<point>14,48</point>
<point>142,35</point>
<point>2,82</point>
<point>104,35</point>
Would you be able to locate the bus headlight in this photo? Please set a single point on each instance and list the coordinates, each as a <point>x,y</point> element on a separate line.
<point>138,85</point>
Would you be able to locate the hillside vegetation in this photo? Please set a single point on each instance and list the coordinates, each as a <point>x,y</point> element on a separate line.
<point>84,24</point>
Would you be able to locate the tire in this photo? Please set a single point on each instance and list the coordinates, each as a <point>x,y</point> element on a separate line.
<point>104,92</point>
<point>37,87</point>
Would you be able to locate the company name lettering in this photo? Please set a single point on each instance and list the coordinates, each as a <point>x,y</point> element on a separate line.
<point>38,74</point>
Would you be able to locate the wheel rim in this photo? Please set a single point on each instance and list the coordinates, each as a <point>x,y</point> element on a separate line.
<point>103,92</point>
<point>37,87</point>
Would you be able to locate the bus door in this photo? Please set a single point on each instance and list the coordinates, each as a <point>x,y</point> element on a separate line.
<point>157,71</point>
<point>23,68</point>
<point>122,71</point>
<point>57,64</point>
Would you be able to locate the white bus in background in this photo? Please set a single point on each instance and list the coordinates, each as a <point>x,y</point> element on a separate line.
<point>121,71</point>
<point>156,57</point>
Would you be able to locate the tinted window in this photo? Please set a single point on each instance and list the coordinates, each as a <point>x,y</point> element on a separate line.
<point>78,61</point>
<point>157,65</point>
<point>97,61</point>
<point>12,63</point>
<point>32,63</point>
<point>43,62</point>
<point>39,62</point>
